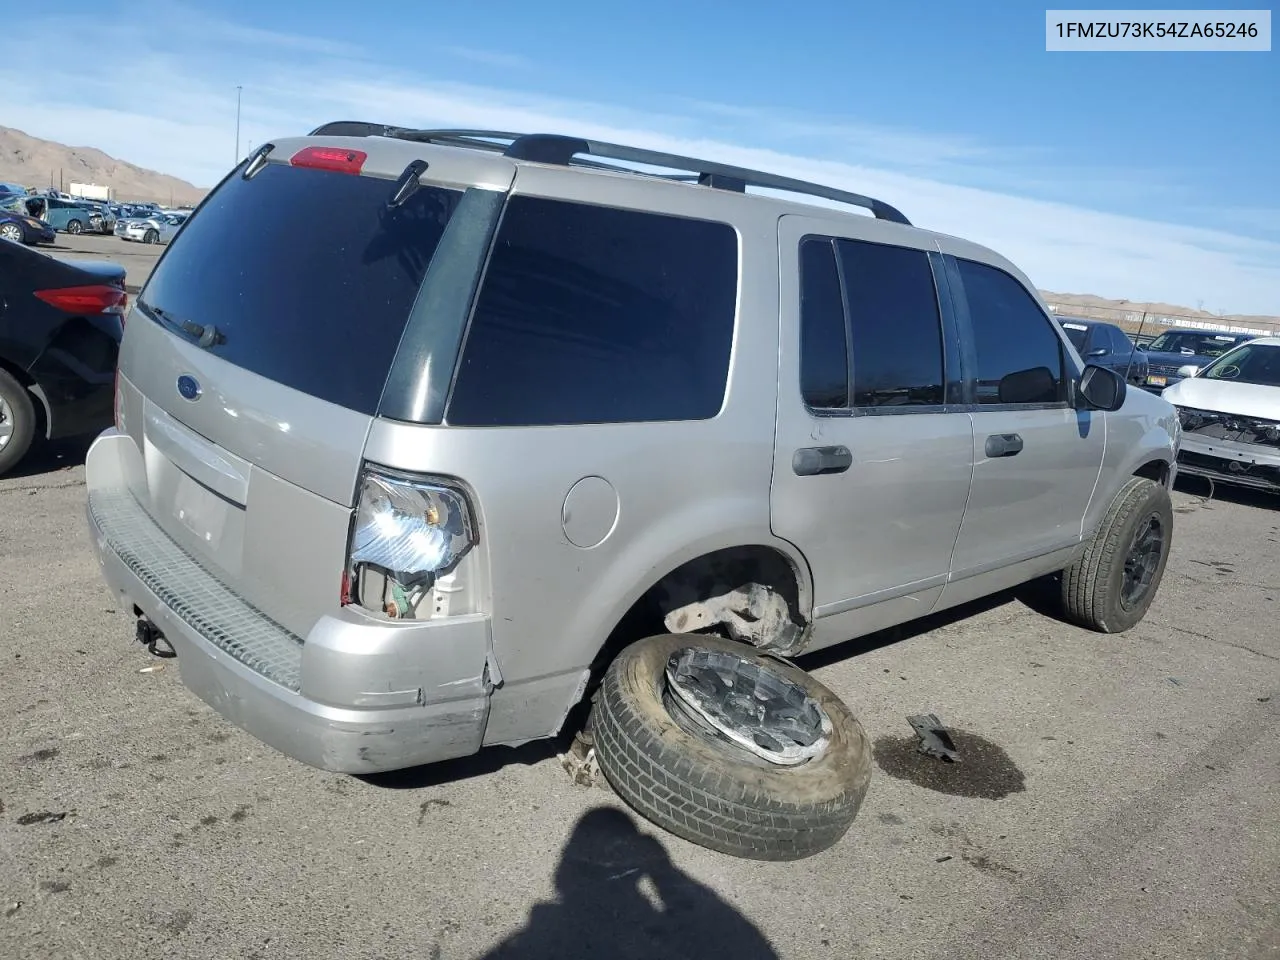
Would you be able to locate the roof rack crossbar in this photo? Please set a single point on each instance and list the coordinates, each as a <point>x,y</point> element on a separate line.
<point>565,150</point>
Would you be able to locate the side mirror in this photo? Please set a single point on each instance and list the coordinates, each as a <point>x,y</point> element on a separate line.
<point>1188,370</point>
<point>1101,389</point>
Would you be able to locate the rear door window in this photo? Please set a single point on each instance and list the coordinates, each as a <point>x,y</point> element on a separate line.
<point>897,330</point>
<point>306,276</point>
<point>593,314</point>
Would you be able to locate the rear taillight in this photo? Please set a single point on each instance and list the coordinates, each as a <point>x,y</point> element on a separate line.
<point>88,300</point>
<point>335,159</point>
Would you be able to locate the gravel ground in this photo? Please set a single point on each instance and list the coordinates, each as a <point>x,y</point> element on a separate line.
<point>1120,795</point>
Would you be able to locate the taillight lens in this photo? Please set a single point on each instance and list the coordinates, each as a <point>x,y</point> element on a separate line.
<point>335,159</point>
<point>408,541</point>
<point>87,300</point>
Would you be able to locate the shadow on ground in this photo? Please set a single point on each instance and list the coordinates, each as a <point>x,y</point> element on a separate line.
<point>50,457</point>
<point>618,895</point>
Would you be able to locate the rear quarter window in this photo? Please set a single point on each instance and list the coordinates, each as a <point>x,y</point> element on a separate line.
<point>306,274</point>
<point>592,314</point>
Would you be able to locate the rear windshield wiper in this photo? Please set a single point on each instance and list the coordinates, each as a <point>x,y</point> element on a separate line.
<point>205,335</point>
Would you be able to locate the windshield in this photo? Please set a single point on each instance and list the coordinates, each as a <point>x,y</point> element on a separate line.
<point>1194,344</point>
<point>13,205</point>
<point>1252,363</point>
<point>1077,333</point>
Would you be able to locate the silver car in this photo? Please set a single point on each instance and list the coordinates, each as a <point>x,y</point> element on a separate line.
<point>160,228</point>
<point>433,440</point>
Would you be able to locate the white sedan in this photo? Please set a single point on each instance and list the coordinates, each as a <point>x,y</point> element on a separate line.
<point>157,229</point>
<point>1230,416</point>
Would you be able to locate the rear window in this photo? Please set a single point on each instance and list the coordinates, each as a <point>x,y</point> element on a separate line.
<point>306,275</point>
<point>592,314</point>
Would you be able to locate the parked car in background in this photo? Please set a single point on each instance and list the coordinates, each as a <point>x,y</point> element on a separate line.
<point>65,216</point>
<point>18,225</point>
<point>12,189</point>
<point>60,328</point>
<point>1230,416</point>
<point>1176,348</point>
<point>1106,345</point>
<point>155,229</point>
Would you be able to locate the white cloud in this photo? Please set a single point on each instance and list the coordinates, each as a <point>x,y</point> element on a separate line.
<point>176,112</point>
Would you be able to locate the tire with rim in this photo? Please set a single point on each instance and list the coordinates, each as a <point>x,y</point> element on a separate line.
<point>151,236</point>
<point>17,422</point>
<point>1111,585</point>
<point>75,226</point>
<point>687,778</point>
<point>11,231</point>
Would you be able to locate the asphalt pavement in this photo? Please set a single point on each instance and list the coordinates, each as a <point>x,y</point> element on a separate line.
<point>138,259</point>
<point>1118,796</point>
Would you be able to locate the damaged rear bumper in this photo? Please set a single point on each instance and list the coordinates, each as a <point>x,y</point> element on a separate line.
<point>356,695</point>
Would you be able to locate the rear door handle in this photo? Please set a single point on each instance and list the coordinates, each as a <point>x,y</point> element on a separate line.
<point>815,461</point>
<point>1003,445</point>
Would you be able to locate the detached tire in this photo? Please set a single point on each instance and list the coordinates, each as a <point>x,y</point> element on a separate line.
<point>709,790</point>
<point>17,422</point>
<point>1111,586</point>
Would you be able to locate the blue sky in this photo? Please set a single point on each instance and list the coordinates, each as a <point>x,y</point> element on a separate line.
<point>1148,176</point>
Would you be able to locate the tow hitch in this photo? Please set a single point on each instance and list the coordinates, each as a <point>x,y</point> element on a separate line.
<point>149,635</point>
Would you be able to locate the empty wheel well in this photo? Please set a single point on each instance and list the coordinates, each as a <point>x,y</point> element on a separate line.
<point>1156,470</point>
<point>705,578</point>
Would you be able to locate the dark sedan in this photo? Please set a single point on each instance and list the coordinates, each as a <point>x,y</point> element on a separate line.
<point>1177,348</point>
<point>1106,345</point>
<point>60,328</point>
<point>18,225</point>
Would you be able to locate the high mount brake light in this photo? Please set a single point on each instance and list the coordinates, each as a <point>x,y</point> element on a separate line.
<point>92,299</point>
<point>334,159</point>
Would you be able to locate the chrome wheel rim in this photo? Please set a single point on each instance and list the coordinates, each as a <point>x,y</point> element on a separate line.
<point>6,423</point>
<point>11,232</point>
<point>732,699</point>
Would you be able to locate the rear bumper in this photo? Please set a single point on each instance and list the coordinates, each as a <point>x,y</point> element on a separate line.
<point>329,700</point>
<point>1243,464</point>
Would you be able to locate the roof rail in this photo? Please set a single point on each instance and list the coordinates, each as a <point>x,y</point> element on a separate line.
<point>567,151</point>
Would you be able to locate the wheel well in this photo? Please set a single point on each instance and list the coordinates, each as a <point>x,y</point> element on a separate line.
<point>1156,470</point>
<point>24,378</point>
<point>703,578</point>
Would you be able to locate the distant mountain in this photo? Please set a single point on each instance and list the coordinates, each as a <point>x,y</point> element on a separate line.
<point>38,163</point>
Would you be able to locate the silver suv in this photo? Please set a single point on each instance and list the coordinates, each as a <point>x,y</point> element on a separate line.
<point>426,438</point>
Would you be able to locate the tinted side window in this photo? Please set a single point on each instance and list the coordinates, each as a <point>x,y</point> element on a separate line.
<point>1019,356</point>
<point>896,327</point>
<point>824,359</point>
<point>1119,342</point>
<point>591,314</point>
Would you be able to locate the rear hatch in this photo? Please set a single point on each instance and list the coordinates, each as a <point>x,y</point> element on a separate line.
<point>255,358</point>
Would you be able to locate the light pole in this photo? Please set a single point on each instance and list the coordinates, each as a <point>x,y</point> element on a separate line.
<point>237,159</point>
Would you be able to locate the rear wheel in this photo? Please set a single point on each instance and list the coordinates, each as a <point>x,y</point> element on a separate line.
<point>1111,586</point>
<point>11,231</point>
<point>75,226</point>
<point>728,748</point>
<point>17,422</point>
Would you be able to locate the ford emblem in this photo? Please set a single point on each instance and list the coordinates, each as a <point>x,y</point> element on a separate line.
<point>188,387</point>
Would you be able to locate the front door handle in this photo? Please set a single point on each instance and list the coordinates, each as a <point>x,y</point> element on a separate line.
<point>1003,445</point>
<point>815,461</point>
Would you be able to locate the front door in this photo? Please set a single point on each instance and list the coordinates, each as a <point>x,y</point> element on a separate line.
<point>871,466</point>
<point>1036,458</point>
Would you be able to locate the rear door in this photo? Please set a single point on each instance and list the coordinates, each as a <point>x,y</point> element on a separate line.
<point>254,360</point>
<point>1036,459</point>
<point>872,466</point>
